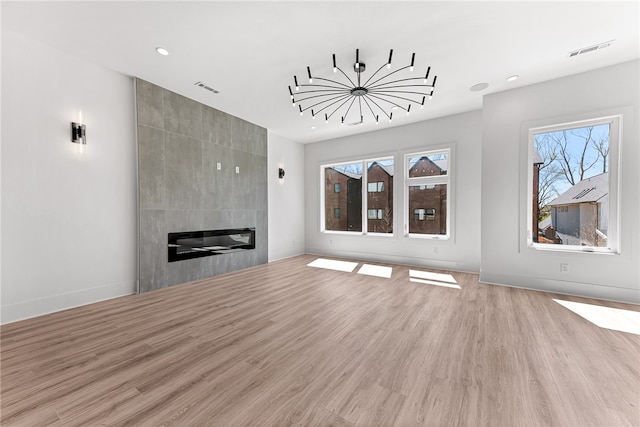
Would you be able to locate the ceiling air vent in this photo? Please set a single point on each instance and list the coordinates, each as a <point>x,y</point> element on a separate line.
<point>590,48</point>
<point>204,86</point>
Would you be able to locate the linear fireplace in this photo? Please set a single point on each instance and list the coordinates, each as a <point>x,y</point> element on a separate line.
<point>197,244</point>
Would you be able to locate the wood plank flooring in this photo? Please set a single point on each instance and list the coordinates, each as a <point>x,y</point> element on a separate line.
<point>286,344</point>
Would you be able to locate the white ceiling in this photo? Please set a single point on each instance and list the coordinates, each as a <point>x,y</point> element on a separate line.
<point>250,51</point>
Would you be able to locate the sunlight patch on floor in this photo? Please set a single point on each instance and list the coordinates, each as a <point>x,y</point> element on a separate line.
<point>331,264</point>
<point>432,282</point>
<point>431,278</point>
<point>616,319</point>
<point>429,275</point>
<point>376,270</point>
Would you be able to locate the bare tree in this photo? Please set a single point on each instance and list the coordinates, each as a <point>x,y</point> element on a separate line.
<point>573,156</point>
<point>602,146</point>
<point>549,172</point>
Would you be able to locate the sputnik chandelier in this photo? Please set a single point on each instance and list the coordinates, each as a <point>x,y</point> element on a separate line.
<point>354,100</point>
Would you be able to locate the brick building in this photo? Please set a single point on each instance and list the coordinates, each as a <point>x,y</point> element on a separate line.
<point>343,199</point>
<point>427,203</point>
<point>379,198</point>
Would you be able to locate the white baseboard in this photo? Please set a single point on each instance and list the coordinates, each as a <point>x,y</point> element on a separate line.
<point>50,304</point>
<point>588,290</point>
<point>285,255</point>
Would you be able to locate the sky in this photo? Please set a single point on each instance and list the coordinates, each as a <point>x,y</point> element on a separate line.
<point>574,147</point>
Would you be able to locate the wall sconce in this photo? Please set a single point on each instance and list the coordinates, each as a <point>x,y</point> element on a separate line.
<point>79,131</point>
<point>280,173</point>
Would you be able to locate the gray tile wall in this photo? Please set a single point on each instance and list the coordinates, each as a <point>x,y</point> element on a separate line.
<point>180,143</point>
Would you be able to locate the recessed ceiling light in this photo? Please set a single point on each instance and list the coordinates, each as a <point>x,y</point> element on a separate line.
<point>513,78</point>
<point>162,51</point>
<point>312,127</point>
<point>479,87</point>
<point>395,107</point>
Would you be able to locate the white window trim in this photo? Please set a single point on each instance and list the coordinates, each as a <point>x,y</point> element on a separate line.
<point>615,140</point>
<point>447,179</point>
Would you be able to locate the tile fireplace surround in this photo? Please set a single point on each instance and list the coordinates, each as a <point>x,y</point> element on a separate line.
<point>198,169</point>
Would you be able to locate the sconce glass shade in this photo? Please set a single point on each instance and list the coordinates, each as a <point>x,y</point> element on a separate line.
<point>280,173</point>
<point>78,133</point>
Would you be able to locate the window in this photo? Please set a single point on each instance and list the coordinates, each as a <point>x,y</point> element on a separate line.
<point>352,189</point>
<point>573,191</point>
<point>427,182</point>
<point>375,214</point>
<point>375,187</point>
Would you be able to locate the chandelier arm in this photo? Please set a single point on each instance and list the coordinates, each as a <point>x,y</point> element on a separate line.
<point>349,108</point>
<point>378,95</point>
<point>333,87</point>
<point>368,105</point>
<point>390,102</point>
<point>391,73</point>
<point>345,98</point>
<point>373,75</point>
<point>333,81</point>
<point>334,90</point>
<point>339,98</point>
<point>402,80</point>
<point>351,81</point>
<point>376,104</point>
<point>337,108</point>
<point>360,105</point>
<point>392,87</point>
<point>321,95</point>
<point>380,92</point>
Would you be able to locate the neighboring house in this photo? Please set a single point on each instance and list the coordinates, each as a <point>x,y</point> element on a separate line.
<point>580,214</point>
<point>428,203</point>
<point>343,200</point>
<point>380,198</point>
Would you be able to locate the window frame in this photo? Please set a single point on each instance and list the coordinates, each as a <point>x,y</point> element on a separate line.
<point>364,195</point>
<point>615,140</point>
<point>428,181</point>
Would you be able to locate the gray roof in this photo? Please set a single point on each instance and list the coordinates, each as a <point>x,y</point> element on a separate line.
<point>545,223</point>
<point>349,174</point>
<point>387,169</point>
<point>441,163</point>
<point>588,190</point>
<point>537,160</point>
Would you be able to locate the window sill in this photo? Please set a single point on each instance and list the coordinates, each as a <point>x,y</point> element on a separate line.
<point>572,249</point>
<point>357,233</point>
<point>428,236</point>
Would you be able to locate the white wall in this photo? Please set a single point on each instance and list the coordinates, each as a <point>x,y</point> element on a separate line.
<point>460,253</point>
<point>286,197</point>
<point>68,223</point>
<point>506,117</point>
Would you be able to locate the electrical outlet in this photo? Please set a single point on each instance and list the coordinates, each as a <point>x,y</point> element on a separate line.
<point>218,166</point>
<point>564,268</point>
<point>237,169</point>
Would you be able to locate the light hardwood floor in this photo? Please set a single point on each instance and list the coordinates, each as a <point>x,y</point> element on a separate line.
<point>286,344</point>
